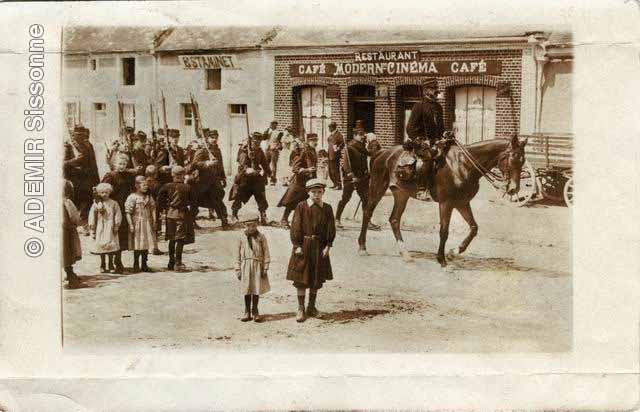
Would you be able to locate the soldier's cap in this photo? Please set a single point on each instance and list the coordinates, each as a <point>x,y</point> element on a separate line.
<point>371,136</point>
<point>312,136</point>
<point>359,123</point>
<point>80,130</point>
<point>213,132</point>
<point>256,136</point>
<point>141,135</point>
<point>274,122</point>
<point>313,183</point>
<point>177,171</point>
<point>253,218</point>
<point>333,124</point>
<point>205,131</point>
<point>129,129</point>
<point>161,132</point>
<point>430,83</point>
<point>174,133</point>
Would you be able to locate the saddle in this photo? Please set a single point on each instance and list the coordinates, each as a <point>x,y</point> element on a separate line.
<point>407,164</point>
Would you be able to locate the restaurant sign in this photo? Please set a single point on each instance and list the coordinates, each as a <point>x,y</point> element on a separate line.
<point>371,67</point>
<point>211,61</point>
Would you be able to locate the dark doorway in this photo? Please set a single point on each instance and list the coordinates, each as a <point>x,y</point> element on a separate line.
<point>362,106</point>
<point>407,97</point>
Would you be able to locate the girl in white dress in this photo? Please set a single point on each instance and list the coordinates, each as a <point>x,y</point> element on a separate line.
<point>141,211</point>
<point>104,222</point>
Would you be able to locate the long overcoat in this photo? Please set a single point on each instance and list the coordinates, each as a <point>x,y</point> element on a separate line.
<point>313,228</point>
<point>251,261</point>
<point>297,192</point>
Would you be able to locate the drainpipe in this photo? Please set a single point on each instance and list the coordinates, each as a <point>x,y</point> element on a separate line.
<point>540,58</point>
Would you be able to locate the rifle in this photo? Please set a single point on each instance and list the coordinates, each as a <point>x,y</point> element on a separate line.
<point>198,126</point>
<point>166,126</point>
<point>154,138</point>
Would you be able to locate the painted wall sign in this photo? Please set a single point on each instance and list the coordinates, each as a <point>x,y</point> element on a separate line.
<point>398,68</point>
<point>211,61</point>
<point>387,56</point>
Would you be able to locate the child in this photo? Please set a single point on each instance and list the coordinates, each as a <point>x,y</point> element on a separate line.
<point>313,231</point>
<point>323,164</point>
<point>177,198</point>
<point>141,210</point>
<point>252,264</point>
<point>105,219</point>
<point>121,180</point>
<point>71,249</point>
<point>154,187</point>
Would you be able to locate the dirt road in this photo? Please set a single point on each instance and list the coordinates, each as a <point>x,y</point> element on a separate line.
<point>510,292</point>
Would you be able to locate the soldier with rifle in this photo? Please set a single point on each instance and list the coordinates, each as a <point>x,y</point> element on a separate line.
<point>249,181</point>
<point>81,169</point>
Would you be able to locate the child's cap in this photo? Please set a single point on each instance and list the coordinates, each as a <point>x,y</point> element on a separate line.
<point>104,186</point>
<point>150,170</point>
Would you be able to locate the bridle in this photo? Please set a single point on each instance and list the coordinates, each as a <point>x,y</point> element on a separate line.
<point>492,177</point>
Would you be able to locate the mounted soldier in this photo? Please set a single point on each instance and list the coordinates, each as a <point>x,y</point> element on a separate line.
<point>425,128</point>
<point>249,181</point>
<point>304,169</point>
<point>209,186</point>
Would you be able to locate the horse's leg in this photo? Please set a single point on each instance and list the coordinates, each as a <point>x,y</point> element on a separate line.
<point>375,195</point>
<point>467,215</point>
<point>400,200</point>
<point>445,217</point>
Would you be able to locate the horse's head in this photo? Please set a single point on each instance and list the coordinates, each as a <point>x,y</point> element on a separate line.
<point>510,164</point>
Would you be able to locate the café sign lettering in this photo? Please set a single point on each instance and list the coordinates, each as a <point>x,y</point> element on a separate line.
<point>211,61</point>
<point>379,67</point>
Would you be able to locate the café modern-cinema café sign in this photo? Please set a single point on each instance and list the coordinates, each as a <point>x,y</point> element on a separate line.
<point>396,63</point>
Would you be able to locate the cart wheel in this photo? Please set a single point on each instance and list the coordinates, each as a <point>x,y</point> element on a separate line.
<point>528,186</point>
<point>568,192</point>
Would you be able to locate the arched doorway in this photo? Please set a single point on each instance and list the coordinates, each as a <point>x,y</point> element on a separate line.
<point>474,113</point>
<point>407,96</point>
<point>362,106</point>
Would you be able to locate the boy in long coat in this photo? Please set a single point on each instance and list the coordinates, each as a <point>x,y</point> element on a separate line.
<point>312,233</point>
<point>304,169</point>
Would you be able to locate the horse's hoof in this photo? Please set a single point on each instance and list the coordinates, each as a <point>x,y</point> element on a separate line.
<point>453,253</point>
<point>406,256</point>
<point>363,252</point>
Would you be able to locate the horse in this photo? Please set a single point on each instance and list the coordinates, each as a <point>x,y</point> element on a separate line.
<point>453,186</point>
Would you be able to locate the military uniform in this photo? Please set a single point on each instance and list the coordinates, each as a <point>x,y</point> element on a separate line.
<point>273,137</point>
<point>336,145</point>
<point>304,168</point>
<point>355,168</point>
<point>80,167</point>
<point>209,187</point>
<point>248,183</point>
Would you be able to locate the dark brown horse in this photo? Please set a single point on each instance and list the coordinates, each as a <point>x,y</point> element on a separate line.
<point>454,185</point>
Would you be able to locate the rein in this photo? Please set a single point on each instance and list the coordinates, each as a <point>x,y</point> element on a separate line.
<point>488,174</point>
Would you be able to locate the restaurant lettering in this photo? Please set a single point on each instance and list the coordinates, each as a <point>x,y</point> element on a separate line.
<point>213,61</point>
<point>397,68</point>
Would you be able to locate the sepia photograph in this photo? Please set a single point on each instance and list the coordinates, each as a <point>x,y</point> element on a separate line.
<point>317,190</point>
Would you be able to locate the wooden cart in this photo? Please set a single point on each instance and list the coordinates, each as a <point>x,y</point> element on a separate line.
<point>551,158</point>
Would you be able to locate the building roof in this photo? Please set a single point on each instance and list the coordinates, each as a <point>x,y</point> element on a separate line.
<point>109,39</point>
<point>336,36</point>
<point>209,38</point>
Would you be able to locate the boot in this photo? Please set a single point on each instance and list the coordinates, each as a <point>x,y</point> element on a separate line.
<point>254,311</point>
<point>111,269</point>
<point>171,265</point>
<point>225,223</point>
<point>211,215</point>
<point>339,224</point>
<point>247,309</point>
<point>263,218</point>
<point>72,278</point>
<point>312,311</point>
<point>144,266</point>
<point>234,216</point>
<point>136,263</point>
<point>301,316</point>
<point>119,268</point>
<point>103,265</point>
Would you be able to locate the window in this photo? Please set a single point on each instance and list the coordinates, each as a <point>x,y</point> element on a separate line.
<point>213,79</point>
<point>238,108</point>
<point>99,107</point>
<point>129,71</point>
<point>93,64</point>
<point>315,110</point>
<point>475,113</point>
<point>72,115</point>
<point>187,121</point>
<point>129,114</point>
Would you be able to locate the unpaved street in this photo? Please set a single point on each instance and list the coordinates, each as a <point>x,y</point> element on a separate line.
<point>510,292</point>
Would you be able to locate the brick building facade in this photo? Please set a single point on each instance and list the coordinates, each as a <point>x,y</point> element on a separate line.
<point>390,97</point>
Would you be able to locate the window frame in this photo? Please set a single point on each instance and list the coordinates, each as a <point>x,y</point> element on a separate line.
<point>89,65</point>
<point>207,77</point>
<point>123,71</point>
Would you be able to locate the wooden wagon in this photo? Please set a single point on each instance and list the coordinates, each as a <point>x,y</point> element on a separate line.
<point>550,158</point>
